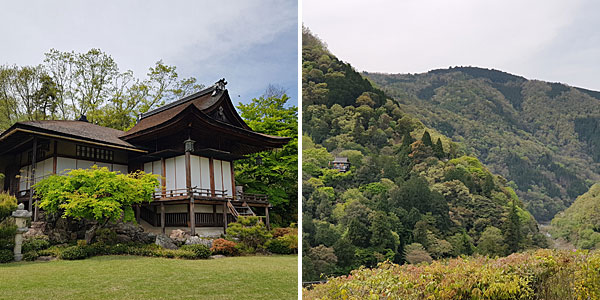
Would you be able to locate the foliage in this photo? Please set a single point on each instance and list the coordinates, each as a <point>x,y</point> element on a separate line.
<point>277,176</point>
<point>35,244</point>
<point>6,255</point>
<point>200,251</point>
<point>286,244</point>
<point>522,129</point>
<point>415,254</point>
<point>8,204</point>
<point>224,247</point>
<point>543,274</point>
<point>69,84</point>
<point>8,229</point>
<point>95,194</point>
<point>75,252</point>
<point>249,231</point>
<point>580,222</point>
<point>491,242</point>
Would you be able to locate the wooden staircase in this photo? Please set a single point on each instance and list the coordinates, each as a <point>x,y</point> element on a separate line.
<point>240,210</point>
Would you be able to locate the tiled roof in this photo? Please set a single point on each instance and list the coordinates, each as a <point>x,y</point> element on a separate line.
<point>81,129</point>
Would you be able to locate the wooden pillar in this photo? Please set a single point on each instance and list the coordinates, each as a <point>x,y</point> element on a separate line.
<point>162,217</point>
<point>211,167</point>
<point>32,177</point>
<point>225,217</point>
<point>192,217</point>
<point>163,179</point>
<point>267,218</point>
<point>137,213</point>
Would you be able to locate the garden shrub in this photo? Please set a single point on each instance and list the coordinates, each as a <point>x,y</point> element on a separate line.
<point>186,254</point>
<point>277,232</point>
<point>201,251</point>
<point>31,255</point>
<point>54,251</point>
<point>35,244</point>
<point>278,246</point>
<point>6,255</point>
<point>286,244</point>
<point>7,234</point>
<point>75,252</point>
<point>106,236</point>
<point>249,231</point>
<point>8,204</point>
<point>224,247</point>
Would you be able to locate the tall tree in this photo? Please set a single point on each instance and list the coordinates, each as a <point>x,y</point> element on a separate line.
<point>277,176</point>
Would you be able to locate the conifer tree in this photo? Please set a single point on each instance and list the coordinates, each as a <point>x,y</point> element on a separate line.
<point>512,236</point>
<point>427,139</point>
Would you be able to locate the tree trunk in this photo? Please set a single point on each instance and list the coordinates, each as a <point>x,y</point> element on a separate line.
<point>90,234</point>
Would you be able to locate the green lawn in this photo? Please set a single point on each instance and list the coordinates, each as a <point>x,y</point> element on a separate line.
<point>133,277</point>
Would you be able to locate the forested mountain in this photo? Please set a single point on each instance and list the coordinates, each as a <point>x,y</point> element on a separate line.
<point>410,193</point>
<point>543,137</point>
<point>580,223</point>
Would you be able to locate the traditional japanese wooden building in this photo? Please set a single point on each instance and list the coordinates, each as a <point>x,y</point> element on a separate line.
<point>191,143</point>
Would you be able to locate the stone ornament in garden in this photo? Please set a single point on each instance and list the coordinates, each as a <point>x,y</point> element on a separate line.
<point>21,216</point>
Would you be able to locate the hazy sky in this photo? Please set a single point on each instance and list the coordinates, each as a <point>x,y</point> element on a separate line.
<point>549,40</point>
<point>250,43</point>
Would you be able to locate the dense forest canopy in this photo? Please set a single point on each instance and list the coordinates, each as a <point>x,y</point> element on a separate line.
<point>544,137</point>
<point>411,193</point>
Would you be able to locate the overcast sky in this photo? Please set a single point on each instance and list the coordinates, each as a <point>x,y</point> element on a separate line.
<point>250,43</point>
<point>550,40</point>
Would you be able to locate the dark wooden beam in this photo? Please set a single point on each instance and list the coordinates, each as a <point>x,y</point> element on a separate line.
<point>192,217</point>
<point>137,213</point>
<point>232,180</point>
<point>163,179</point>
<point>224,217</point>
<point>267,218</point>
<point>162,217</point>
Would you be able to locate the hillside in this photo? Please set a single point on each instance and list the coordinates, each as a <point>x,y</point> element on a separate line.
<point>411,193</point>
<point>580,223</point>
<point>543,137</point>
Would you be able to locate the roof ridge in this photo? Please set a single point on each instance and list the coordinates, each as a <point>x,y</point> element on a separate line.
<point>218,86</point>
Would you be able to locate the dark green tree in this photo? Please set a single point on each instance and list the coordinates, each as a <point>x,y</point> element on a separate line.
<point>512,235</point>
<point>427,139</point>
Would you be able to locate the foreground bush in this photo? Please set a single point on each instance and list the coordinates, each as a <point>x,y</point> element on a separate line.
<point>286,244</point>
<point>6,255</point>
<point>199,251</point>
<point>251,233</point>
<point>224,247</point>
<point>543,274</point>
<point>35,244</point>
<point>8,204</point>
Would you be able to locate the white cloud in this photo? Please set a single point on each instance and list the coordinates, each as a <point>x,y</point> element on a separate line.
<point>416,36</point>
<point>188,34</point>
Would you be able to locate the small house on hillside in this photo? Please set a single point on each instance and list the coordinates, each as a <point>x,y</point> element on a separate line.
<point>340,163</point>
<point>191,143</point>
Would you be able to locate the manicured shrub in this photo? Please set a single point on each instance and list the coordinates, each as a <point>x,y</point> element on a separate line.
<point>224,247</point>
<point>201,251</point>
<point>249,231</point>
<point>278,246</point>
<point>7,235</point>
<point>54,251</point>
<point>75,252</point>
<point>30,256</point>
<point>35,244</point>
<point>8,204</point>
<point>186,254</point>
<point>6,255</point>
